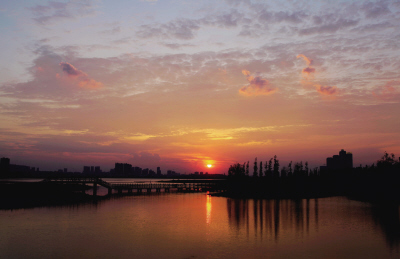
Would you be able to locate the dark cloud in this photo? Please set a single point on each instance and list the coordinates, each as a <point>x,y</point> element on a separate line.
<point>83,79</point>
<point>70,70</point>
<point>309,70</point>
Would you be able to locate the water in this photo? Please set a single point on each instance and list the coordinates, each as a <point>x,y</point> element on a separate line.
<point>194,225</point>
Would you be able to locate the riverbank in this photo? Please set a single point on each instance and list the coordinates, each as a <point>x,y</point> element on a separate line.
<point>16,195</point>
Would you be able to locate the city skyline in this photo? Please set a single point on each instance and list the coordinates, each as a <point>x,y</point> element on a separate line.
<point>183,85</point>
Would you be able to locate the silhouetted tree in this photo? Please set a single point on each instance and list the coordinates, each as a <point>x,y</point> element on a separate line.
<point>290,169</point>
<point>247,168</point>
<point>270,168</point>
<point>255,172</point>
<point>306,168</point>
<point>236,170</point>
<point>276,167</point>
<point>261,169</point>
<point>266,169</point>
<point>283,172</point>
<point>298,169</point>
<point>386,160</point>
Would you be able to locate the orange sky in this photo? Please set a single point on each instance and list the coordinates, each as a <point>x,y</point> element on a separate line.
<point>145,84</point>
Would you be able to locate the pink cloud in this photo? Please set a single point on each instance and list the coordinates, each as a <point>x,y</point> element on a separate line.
<point>90,83</point>
<point>387,91</point>
<point>308,70</point>
<point>256,86</point>
<point>70,70</point>
<point>308,60</point>
<point>326,90</point>
<point>83,79</point>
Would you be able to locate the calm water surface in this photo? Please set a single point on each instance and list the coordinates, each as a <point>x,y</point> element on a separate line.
<point>199,226</point>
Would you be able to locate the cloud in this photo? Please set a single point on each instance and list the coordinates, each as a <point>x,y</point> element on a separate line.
<point>183,29</point>
<point>388,91</point>
<point>280,16</point>
<point>83,79</point>
<point>308,70</point>
<point>176,45</point>
<point>308,79</point>
<point>328,28</point>
<point>308,60</point>
<point>375,10</point>
<point>256,86</point>
<point>56,11</point>
<point>326,90</point>
<point>90,83</point>
<point>70,70</point>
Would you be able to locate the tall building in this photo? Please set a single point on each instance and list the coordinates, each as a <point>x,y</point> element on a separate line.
<point>86,169</point>
<point>158,171</point>
<point>123,168</point>
<point>342,161</point>
<point>4,164</point>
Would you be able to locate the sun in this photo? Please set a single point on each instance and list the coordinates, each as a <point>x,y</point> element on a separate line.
<point>209,165</point>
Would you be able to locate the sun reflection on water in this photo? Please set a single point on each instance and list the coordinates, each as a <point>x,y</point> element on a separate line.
<point>208,207</point>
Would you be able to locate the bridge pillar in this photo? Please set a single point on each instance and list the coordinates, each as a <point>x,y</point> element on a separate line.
<point>166,189</point>
<point>148,189</point>
<point>158,189</point>
<point>119,191</point>
<point>83,188</point>
<point>94,189</point>
<point>139,190</point>
<point>129,190</point>
<point>109,191</point>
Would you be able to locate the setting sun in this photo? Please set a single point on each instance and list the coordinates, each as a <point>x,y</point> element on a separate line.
<point>209,166</point>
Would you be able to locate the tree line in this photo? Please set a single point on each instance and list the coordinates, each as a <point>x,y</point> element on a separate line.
<point>271,169</point>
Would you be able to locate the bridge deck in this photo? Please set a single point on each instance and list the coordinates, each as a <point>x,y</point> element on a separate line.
<point>135,186</point>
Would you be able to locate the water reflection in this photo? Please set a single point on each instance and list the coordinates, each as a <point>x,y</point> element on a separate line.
<point>388,219</point>
<point>208,209</point>
<point>278,218</point>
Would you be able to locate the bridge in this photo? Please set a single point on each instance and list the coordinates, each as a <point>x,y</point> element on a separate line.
<point>139,187</point>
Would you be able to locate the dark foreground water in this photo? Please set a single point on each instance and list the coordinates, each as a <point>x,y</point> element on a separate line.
<point>199,226</point>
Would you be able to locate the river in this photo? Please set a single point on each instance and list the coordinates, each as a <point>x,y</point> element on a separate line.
<point>195,225</point>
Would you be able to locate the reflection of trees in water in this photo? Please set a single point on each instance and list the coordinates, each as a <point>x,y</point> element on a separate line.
<point>271,216</point>
<point>388,218</point>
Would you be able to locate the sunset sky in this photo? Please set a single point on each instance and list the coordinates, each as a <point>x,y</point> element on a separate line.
<point>181,84</point>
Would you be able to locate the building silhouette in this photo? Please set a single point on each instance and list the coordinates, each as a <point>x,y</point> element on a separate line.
<point>4,164</point>
<point>123,168</point>
<point>342,161</point>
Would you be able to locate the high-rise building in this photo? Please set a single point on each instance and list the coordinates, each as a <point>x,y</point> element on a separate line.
<point>4,164</point>
<point>158,171</point>
<point>123,168</point>
<point>342,161</point>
